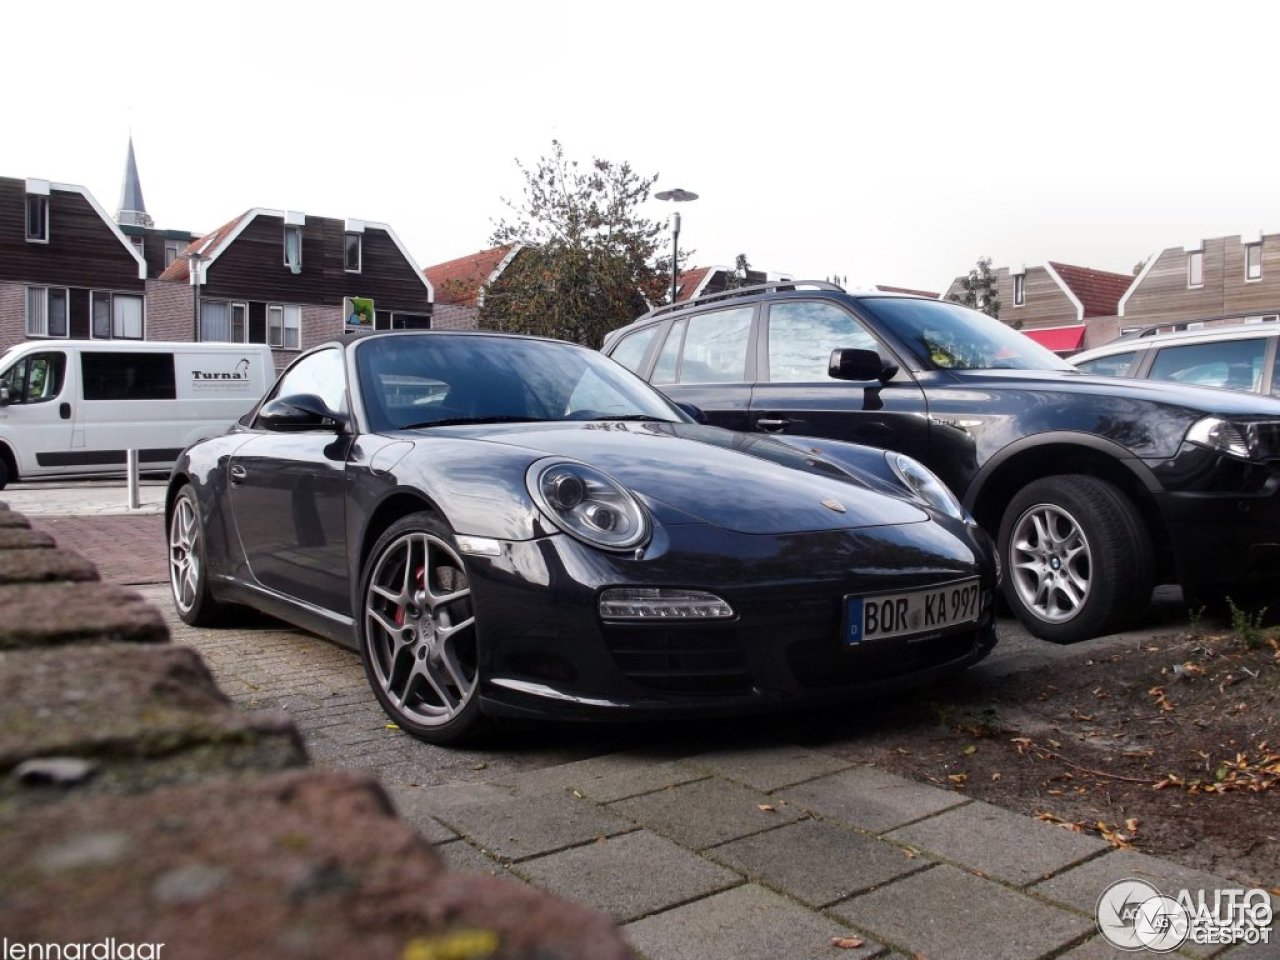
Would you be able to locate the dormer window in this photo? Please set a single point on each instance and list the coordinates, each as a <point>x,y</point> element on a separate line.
<point>1019,289</point>
<point>352,252</point>
<point>37,218</point>
<point>1195,268</point>
<point>293,248</point>
<point>1253,261</point>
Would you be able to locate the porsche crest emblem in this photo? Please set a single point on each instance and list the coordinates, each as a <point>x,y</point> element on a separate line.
<point>835,505</point>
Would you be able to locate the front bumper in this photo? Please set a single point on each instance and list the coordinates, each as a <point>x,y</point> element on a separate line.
<point>544,651</point>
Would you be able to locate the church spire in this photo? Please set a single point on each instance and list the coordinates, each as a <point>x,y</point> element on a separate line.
<point>133,211</point>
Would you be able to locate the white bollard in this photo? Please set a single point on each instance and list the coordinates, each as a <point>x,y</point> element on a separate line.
<point>131,474</point>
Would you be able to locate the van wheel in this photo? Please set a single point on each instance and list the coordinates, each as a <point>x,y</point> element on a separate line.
<point>4,470</point>
<point>188,571</point>
<point>1077,558</point>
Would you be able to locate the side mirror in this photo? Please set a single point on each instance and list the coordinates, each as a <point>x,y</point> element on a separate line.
<point>693,411</point>
<point>300,411</point>
<point>860,366</point>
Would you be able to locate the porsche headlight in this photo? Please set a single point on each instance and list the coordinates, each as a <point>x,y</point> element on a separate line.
<point>587,504</point>
<point>1218,434</point>
<point>924,485</point>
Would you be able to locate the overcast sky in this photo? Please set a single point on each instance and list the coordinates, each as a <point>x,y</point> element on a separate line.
<point>888,142</point>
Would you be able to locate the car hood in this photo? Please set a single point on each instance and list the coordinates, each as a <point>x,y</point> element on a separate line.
<point>1227,403</point>
<point>744,483</point>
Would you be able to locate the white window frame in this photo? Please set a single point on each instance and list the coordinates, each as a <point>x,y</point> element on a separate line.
<point>232,306</point>
<point>1195,262</point>
<point>1249,249</point>
<point>1019,289</point>
<point>115,335</point>
<point>93,297</point>
<point>290,229</point>
<point>45,334</point>
<point>277,330</point>
<point>139,244</point>
<point>41,198</point>
<point>359,267</point>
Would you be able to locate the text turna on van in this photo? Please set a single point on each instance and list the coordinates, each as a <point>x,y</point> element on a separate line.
<point>75,407</point>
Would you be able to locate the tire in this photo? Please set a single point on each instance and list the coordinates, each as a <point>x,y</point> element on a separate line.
<point>188,568</point>
<point>4,470</point>
<point>417,631</point>
<point>1077,558</point>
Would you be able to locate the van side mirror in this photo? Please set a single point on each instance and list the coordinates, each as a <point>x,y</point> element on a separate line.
<point>860,366</point>
<point>299,411</point>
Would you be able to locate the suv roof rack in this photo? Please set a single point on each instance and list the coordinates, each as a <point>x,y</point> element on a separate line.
<point>742,292</point>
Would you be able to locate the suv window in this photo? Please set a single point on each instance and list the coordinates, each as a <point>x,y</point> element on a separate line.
<point>630,350</point>
<point>669,359</point>
<point>715,347</point>
<point>1234,364</point>
<point>803,334</point>
<point>1116,365</point>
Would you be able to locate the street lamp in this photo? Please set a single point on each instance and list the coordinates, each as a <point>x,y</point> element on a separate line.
<point>677,195</point>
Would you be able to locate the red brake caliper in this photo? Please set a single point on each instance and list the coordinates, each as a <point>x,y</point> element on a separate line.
<point>420,581</point>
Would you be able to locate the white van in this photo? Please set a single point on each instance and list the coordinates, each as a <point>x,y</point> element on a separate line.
<point>74,407</point>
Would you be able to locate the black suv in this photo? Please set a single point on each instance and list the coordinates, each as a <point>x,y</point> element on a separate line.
<point>1095,489</point>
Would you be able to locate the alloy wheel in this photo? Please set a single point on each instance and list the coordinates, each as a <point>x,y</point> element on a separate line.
<point>184,554</point>
<point>1050,562</point>
<point>420,629</point>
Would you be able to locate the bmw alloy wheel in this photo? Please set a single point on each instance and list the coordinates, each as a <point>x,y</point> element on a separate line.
<point>1050,562</point>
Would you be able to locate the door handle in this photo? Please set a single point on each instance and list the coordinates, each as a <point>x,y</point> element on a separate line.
<point>238,474</point>
<point>64,411</point>
<point>770,423</point>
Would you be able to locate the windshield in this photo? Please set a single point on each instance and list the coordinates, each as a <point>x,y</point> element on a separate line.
<point>947,336</point>
<point>435,379</point>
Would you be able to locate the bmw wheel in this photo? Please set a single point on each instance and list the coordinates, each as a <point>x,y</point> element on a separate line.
<point>418,631</point>
<point>1077,558</point>
<point>188,571</point>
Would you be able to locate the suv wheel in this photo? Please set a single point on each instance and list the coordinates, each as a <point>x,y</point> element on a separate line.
<point>1077,558</point>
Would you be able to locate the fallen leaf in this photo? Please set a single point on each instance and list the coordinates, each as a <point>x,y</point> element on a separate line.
<point>957,778</point>
<point>766,807</point>
<point>970,750</point>
<point>479,766</point>
<point>392,726</point>
<point>846,943</point>
<point>996,775</point>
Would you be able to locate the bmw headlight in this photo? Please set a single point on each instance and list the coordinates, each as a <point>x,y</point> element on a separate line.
<point>587,504</point>
<point>1218,434</point>
<point>924,485</point>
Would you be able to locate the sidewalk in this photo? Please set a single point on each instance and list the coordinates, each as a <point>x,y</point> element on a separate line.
<point>710,847</point>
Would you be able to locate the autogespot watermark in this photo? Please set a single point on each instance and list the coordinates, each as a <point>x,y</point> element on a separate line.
<point>108,949</point>
<point>1134,915</point>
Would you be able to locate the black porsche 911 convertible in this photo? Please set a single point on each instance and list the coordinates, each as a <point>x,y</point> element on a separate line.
<point>508,526</point>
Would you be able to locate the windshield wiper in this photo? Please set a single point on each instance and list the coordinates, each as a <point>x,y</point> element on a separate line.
<point>457,421</point>
<point>633,416</point>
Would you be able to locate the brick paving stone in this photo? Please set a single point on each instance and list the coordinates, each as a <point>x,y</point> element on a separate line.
<point>529,826</point>
<point>870,799</point>
<point>769,768</point>
<point>125,549</point>
<point>628,876</point>
<point>745,923</point>
<point>605,778</point>
<point>707,812</point>
<point>946,912</point>
<point>817,863</point>
<point>1001,844</point>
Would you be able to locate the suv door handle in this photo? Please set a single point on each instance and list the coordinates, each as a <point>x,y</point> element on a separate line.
<point>238,474</point>
<point>769,423</point>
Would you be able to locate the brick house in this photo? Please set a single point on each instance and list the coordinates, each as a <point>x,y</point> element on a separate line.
<point>66,268</point>
<point>459,284</point>
<point>290,280</point>
<point>1229,279</point>
<point>1057,304</point>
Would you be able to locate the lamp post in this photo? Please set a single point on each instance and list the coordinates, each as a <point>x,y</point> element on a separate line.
<point>676,195</point>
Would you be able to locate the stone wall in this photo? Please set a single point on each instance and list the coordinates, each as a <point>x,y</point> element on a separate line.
<point>138,807</point>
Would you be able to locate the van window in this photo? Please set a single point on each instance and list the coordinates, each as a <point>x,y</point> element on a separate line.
<point>127,376</point>
<point>35,378</point>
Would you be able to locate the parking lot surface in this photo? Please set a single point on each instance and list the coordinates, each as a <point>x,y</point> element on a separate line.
<point>766,837</point>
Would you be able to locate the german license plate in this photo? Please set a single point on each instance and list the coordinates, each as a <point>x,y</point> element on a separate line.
<point>889,615</point>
